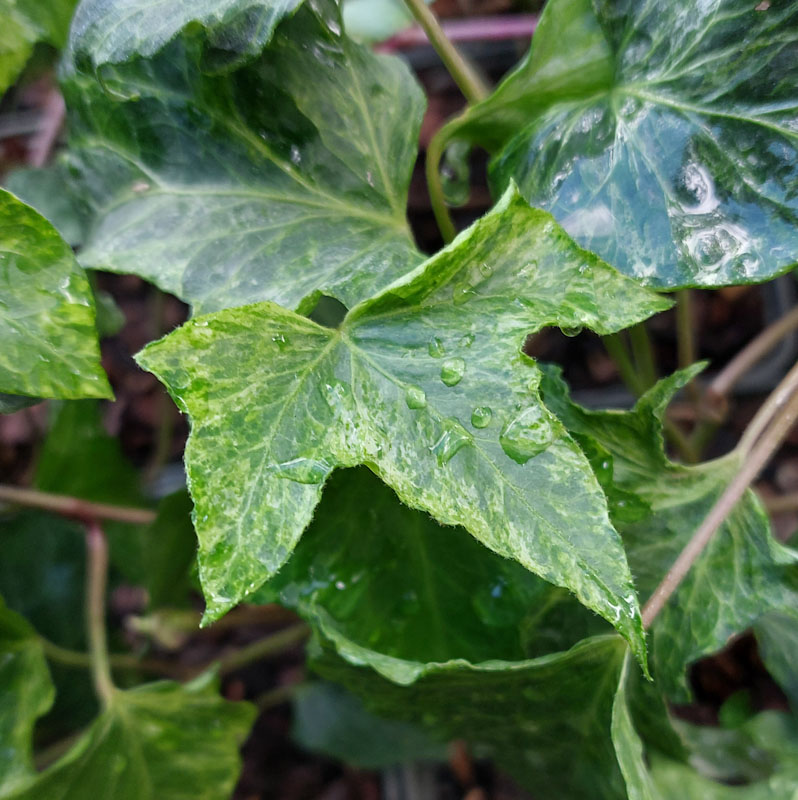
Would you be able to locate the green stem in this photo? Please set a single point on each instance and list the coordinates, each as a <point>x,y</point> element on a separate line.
<point>781,423</point>
<point>643,352</point>
<point>616,348</point>
<point>269,647</point>
<point>769,409</point>
<point>465,76</point>
<point>74,658</point>
<point>435,185</point>
<point>96,580</point>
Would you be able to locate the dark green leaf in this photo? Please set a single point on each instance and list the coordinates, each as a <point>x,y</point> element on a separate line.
<point>10,403</point>
<point>777,635</point>
<point>331,721</point>
<point>743,573</point>
<point>46,311</point>
<point>160,741</point>
<point>281,181</point>
<point>662,137</point>
<point>111,31</point>
<point>26,694</point>
<point>425,383</point>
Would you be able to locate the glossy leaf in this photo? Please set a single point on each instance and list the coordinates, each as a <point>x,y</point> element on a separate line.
<point>743,573</point>
<point>160,741</point>
<point>425,383</point>
<point>25,23</point>
<point>661,137</point>
<point>334,722</point>
<point>46,311</point>
<point>282,181</point>
<point>111,31</point>
<point>27,693</point>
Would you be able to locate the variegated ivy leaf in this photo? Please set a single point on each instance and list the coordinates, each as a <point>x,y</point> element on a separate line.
<point>47,320</point>
<point>425,383</point>
<point>744,572</point>
<point>280,181</point>
<point>111,31</point>
<point>159,741</point>
<point>664,136</point>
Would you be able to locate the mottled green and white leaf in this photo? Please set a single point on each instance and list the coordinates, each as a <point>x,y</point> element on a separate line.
<point>47,326</point>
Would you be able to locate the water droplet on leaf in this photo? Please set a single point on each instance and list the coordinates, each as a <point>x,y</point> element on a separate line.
<point>480,417</point>
<point>529,434</point>
<point>467,340</point>
<point>415,397</point>
<point>436,348</point>
<point>571,332</point>
<point>453,438</point>
<point>303,470</point>
<point>452,371</point>
<point>280,341</point>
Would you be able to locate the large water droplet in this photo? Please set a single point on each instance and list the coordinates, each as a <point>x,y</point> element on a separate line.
<point>436,348</point>
<point>529,434</point>
<point>452,371</point>
<point>572,331</point>
<point>302,470</point>
<point>415,397</point>
<point>453,438</point>
<point>480,417</point>
<point>462,293</point>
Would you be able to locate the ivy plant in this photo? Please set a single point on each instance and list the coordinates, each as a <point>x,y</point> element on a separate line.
<point>474,554</point>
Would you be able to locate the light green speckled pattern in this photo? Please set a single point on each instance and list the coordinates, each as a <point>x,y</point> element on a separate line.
<point>26,692</point>
<point>427,385</point>
<point>744,572</point>
<point>159,741</point>
<point>49,341</point>
<point>665,139</point>
<point>282,180</point>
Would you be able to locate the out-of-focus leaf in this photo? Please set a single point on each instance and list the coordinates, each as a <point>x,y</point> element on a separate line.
<point>46,311</point>
<point>282,181</point>
<point>662,136</point>
<point>10,403</point>
<point>26,22</point>
<point>777,635</point>
<point>743,574</point>
<point>26,693</point>
<point>160,741</point>
<point>375,20</point>
<point>330,720</point>
<point>426,384</point>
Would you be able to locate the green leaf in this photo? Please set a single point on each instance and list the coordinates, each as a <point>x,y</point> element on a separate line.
<point>10,403</point>
<point>27,694</point>
<point>743,573</point>
<point>664,139</point>
<point>26,22</point>
<point>282,181</point>
<point>375,20</point>
<point>366,558</point>
<point>331,721</point>
<point>111,31</point>
<point>160,741</point>
<point>529,716</point>
<point>777,636</point>
<point>46,311</point>
<point>426,383</point>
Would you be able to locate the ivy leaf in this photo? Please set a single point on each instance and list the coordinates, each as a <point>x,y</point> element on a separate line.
<point>425,383</point>
<point>777,636</point>
<point>160,740</point>
<point>47,327</point>
<point>743,573</point>
<point>111,31</point>
<point>282,181</point>
<point>375,20</point>
<point>27,694</point>
<point>665,140</point>
<point>334,722</point>
<point>26,22</point>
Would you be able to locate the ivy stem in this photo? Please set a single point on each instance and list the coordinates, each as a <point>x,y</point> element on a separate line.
<point>74,658</point>
<point>616,348</point>
<point>686,339</point>
<point>752,462</point>
<point>465,76</point>
<point>271,646</point>
<point>782,504</point>
<point>751,354</point>
<point>643,352</point>
<point>770,408</point>
<point>73,507</point>
<point>96,581</point>
<point>435,185</point>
